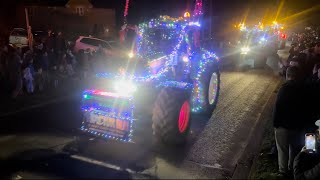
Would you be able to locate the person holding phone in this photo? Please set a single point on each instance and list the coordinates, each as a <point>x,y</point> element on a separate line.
<point>289,120</point>
<point>307,164</point>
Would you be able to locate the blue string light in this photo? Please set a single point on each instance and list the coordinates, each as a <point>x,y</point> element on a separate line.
<point>181,51</point>
<point>118,111</point>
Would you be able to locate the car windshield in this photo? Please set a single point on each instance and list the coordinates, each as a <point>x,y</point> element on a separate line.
<point>158,42</point>
<point>19,32</point>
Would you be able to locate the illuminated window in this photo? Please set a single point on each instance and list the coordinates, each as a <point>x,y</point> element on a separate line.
<point>80,11</point>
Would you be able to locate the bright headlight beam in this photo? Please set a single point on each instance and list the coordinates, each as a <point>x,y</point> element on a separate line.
<point>130,54</point>
<point>245,50</point>
<point>125,87</point>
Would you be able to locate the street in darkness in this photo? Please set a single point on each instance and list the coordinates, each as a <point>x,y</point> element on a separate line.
<point>43,139</point>
<point>134,89</point>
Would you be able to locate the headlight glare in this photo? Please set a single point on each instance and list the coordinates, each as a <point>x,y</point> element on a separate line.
<point>125,87</point>
<point>130,55</point>
<point>245,50</point>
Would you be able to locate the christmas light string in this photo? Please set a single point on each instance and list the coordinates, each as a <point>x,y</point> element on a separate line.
<point>201,60</point>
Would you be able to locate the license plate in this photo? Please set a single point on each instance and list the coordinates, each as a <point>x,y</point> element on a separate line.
<point>108,125</point>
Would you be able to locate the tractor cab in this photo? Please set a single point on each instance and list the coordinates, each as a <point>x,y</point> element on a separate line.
<point>168,42</point>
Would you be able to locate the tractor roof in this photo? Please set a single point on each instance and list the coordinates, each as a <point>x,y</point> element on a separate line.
<point>167,22</point>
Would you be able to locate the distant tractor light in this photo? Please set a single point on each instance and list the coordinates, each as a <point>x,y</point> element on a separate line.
<point>263,39</point>
<point>245,50</point>
<point>243,28</point>
<point>130,55</point>
<point>283,36</point>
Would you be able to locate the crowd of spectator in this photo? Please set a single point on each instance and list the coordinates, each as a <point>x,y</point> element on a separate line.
<point>26,71</point>
<point>297,105</point>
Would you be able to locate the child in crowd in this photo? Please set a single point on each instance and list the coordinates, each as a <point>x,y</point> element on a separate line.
<point>28,76</point>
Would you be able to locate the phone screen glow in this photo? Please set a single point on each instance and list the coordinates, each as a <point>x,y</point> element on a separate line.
<point>310,142</point>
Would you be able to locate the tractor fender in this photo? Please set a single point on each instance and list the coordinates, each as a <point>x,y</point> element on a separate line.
<point>207,65</point>
<point>176,84</point>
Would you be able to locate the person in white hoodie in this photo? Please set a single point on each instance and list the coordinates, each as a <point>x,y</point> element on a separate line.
<point>28,76</point>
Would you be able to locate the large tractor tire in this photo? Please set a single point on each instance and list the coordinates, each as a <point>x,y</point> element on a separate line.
<point>171,116</point>
<point>211,91</point>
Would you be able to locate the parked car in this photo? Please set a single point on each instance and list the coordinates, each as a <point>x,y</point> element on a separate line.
<point>111,48</point>
<point>18,37</point>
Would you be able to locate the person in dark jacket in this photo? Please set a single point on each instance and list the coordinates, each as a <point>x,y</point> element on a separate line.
<point>289,119</point>
<point>307,166</point>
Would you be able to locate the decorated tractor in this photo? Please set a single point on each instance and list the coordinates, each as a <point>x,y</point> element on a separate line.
<point>168,75</point>
<point>259,42</point>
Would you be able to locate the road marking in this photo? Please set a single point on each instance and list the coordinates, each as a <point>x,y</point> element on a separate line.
<point>36,106</point>
<point>215,166</point>
<point>103,164</point>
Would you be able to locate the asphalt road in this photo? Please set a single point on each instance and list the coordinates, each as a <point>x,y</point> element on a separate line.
<point>42,142</point>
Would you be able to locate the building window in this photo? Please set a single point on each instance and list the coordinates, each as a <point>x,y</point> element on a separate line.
<point>80,11</point>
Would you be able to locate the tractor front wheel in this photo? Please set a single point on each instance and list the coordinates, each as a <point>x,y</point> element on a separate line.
<point>211,91</point>
<point>171,116</point>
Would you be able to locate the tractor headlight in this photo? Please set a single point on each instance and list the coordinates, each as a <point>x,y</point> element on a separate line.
<point>130,55</point>
<point>245,50</point>
<point>125,87</point>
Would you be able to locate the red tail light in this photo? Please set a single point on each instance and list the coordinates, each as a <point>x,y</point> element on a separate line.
<point>283,36</point>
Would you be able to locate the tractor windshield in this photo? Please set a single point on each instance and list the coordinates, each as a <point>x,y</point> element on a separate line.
<point>158,42</point>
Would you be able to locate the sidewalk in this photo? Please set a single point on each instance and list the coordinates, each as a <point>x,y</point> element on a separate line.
<point>265,165</point>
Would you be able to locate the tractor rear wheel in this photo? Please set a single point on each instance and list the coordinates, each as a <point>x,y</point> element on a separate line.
<point>171,116</point>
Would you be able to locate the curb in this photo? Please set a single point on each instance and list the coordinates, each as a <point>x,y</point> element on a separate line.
<point>248,157</point>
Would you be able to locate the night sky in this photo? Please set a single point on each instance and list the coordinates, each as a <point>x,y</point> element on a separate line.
<point>139,10</point>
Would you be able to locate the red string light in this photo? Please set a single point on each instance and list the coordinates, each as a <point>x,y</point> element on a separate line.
<point>126,9</point>
<point>198,8</point>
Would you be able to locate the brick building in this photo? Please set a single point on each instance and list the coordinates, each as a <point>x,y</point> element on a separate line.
<point>73,16</point>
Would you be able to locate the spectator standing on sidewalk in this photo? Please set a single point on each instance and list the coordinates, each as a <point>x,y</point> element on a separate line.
<point>14,66</point>
<point>84,65</point>
<point>28,76</point>
<point>70,63</point>
<point>60,45</point>
<point>3,67</point>
<point>316,54</point>
<point>53,60</point>
<point>307,166</point>
<point>50,41</point>
<point>289,120</point>
<point>45,64</point>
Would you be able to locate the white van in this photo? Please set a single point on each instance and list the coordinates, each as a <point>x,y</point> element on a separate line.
<point>18,37</point>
